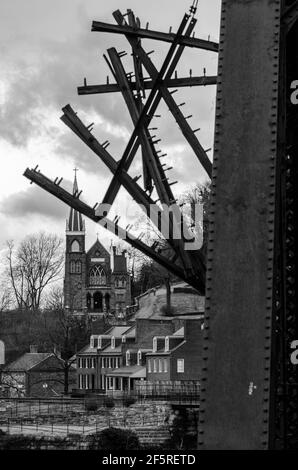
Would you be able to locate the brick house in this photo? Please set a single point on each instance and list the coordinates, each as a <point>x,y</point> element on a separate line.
<point>104,352</point>
<point>175,359</point>
<point>115,361</point>
<point>36,374</point>
<point>96,281</point>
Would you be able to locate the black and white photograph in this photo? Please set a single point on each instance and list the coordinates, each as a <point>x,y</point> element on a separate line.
<point>149,230</point>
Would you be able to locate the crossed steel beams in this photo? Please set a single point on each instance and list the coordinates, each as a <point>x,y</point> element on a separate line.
<point>71,119</point>
<point>197,281</point>
<point>187,265</point>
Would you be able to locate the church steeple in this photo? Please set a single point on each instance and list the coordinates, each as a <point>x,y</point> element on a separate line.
<point>75,221</point>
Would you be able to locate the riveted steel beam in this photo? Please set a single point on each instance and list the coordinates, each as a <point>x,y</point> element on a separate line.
<point>147,84</point>
<point>290,16</point>
<point>64,196</point>
<point>237,377</point>
<point>146,33</point>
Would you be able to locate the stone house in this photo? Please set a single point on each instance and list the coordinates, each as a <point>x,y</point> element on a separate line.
<point>36,374</point>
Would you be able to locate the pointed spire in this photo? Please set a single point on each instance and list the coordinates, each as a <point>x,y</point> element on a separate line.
<point>75,183</point>
<point>75,221</point>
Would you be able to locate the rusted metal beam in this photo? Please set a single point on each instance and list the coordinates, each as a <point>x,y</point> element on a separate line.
<point>63,195</point>
<point>156,168</point>
<point>174,108</point>
<point>147,84</point>
<point>71,119</point>
<point>146,33</point>
<point>150,106</point>
<point>236,393</point>
<point>290,16</point>
<point>163,190</point>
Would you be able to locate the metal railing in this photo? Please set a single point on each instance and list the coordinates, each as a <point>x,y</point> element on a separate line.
<point>84,427</point>
<point>182,392</point>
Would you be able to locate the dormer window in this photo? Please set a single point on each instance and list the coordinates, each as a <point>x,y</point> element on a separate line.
<point>94,342</point>
<point>167,344</point>
<point>139,358</point>
<point>99,342</point>
<point>113,342</point>
<point>123,339</point>
<point>127,358</point>
<point>154,344</point>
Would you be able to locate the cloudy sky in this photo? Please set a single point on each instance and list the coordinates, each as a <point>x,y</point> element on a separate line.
<point>46,50</point>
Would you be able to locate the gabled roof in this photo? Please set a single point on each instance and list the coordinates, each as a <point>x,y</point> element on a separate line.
<point>27,361</point>
<point>98,246</point>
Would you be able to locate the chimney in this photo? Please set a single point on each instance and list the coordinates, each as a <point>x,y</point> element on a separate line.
<point>33,348</point>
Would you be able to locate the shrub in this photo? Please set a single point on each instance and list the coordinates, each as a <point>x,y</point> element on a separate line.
<point>91,404</point>
<point>115,439</point>
<point>127,401</point>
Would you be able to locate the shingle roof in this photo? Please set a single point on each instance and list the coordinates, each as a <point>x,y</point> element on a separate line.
<point>27,361</point>
<point>109,349</point>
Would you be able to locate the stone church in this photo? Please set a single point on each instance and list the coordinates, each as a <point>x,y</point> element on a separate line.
<point>96,281</point>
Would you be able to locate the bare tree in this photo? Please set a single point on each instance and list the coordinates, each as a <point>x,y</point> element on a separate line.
<point>64,332</point>
<point>5,297</point>
<point>32,266</point>
<point>55,299</point>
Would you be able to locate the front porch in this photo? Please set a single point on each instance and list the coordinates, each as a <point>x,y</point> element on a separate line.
<point>123,380</point>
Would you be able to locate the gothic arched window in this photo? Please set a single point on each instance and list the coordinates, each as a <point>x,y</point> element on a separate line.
<point>72,267</point>
<point>75,267</point>
<point>78,267</point>
<point>97,276</point>
<point>75,246</point>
